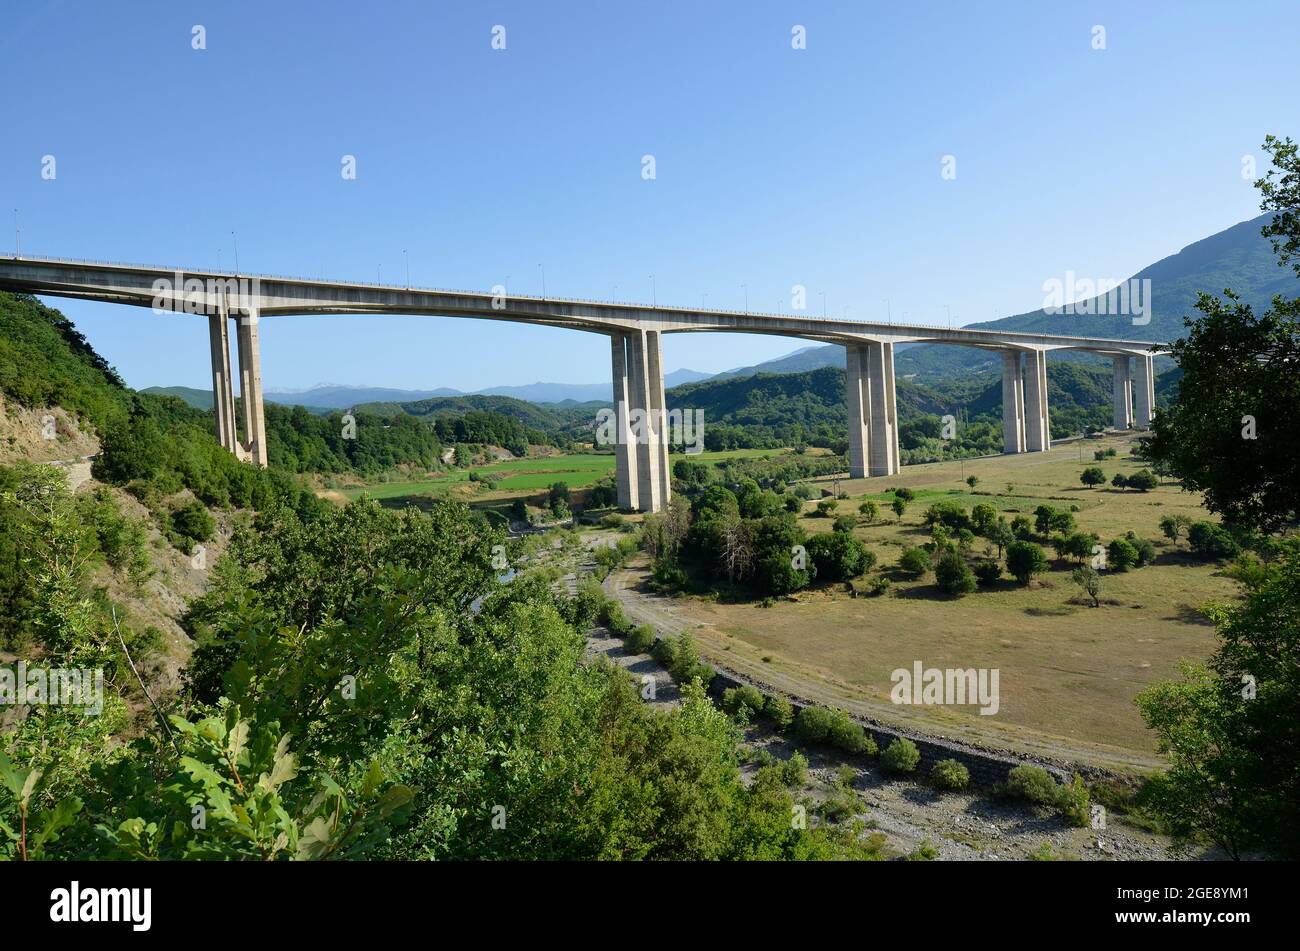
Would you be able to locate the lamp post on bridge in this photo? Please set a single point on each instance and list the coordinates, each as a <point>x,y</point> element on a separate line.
<point>407,261</point>
<point>18,237</point>
<point>235,238</point>
<point>543,270</point>
<point>745,288</point>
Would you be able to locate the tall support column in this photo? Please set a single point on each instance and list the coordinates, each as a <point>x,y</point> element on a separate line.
<point>649,497</point>
<point>659,413</point>
<point>250,387</point>
<point>1123,396</point>
<point>1038,432</point>
<point>1013,403</point>
<point>1144,391</point>
<point>625,474</point>
<point>858,397</point>
<point>883,409</point>
<point>222,386</point>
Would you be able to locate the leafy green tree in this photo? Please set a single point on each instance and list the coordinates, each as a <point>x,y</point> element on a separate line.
<point>914,561</point>
<point>1092,476</point>
<point>1089,580</point>
<point>1024,560</point>
<point>1121,555</point>
<point>869,510</point>
<point>899,505</point>
<point>953,576</point>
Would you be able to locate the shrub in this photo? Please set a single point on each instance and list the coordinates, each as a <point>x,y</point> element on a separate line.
<point>1146,550</point>
<point>838,556</point>
<point>1211,542</point>
<point>983,517</point>
<point>745,697</point>
<point>1075,803</point>
<point>778,710</point>
<point>794,771</point>
<point>640,639</point>
<point>192,521</point>
<point>949,774</point>
<point>914,561</point>
<point>1032,784</point>
<point>953,575</point>
<point>906,494</point>
<point>826,508</point>
<point>878,586</point>
<point>987,573</point>
<point>845,523</point>
<point>1143,480</point>
<point>813,724</point>
<point>1093,475</point>
<point>1024,560</point>
<point>901,756</point>
<point>845,735</point>
<point>612,520</point>
<point>927,851</point>
<point>1120,555</point>
<point>949,514</point>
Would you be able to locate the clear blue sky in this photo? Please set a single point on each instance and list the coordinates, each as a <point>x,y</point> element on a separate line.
<point>774,166</point>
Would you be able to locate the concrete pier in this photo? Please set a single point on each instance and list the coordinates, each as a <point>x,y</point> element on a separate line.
<point>1013,403</point>
<point>1038,431</point>
<point>1123,394</point>
<point>625,474</point>
<point>857,395</point>
<point>250,389</point>
<point>1144,391</point>
<point>883,409</point>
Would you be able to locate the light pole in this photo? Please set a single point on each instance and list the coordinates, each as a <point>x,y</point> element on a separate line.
<point>654,292</point>
<point>406,259</point>
<point>745,288</point>
<point>235,239</point>
<point>823,294</point>
<point>703,297</point>
<point>18,237</point>
<point>543,270</point>
<point>613,295</point>
<point>889,314</point>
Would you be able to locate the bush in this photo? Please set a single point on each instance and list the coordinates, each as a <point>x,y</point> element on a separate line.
<point>878,586</point>
<point>192,521</point>
<point>1093,475</point>
<point>778,710</point>
<point>612,520</point>
<point>847,736</point>
<point>845,523</point>
<point>1032,784</point>
<point>949,774</point>
<point>1024,560</point>
<point>914,561</point>
<point>1120,555</point>
<point>901,756</point>
<point>794,771</point>
<point>640,639</point>
<point>813,724</point>
<point>953,575</point>
<point>745,697</point>
<point>1211,542</point>
<point>1143,480</point>
<point>1075,803</point>
<point>987,573</point>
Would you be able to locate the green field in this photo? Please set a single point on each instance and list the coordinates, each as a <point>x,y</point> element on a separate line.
<point>527,476</point>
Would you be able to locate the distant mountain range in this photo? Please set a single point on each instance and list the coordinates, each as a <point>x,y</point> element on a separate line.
<point>1239,257</point>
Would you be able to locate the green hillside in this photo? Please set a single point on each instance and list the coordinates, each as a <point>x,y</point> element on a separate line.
<point>199,399</point>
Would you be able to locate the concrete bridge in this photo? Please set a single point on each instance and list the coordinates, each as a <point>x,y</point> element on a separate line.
<point>635,333</point>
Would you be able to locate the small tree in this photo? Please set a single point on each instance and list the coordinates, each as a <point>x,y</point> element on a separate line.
<point>914,561</point>
<point>1001,535</point>
<point>869,510</point>
<point>1119,480</point>
<point>1121,555</point>
<point>1093,476</point>
<point>972,481</point>
<point>953,575</point>
<point>1024,560</point>
<point>1090,581</point>
<point>899,506</point>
